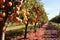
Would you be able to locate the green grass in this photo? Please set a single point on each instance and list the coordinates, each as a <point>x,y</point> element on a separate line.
<point>14,27</point>
<point>17,31</point>
<point>57,25</point>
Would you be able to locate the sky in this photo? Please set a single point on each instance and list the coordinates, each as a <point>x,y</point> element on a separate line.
<point>52,7</point>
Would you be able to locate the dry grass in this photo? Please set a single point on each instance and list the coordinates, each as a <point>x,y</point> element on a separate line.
<point>14,28</point>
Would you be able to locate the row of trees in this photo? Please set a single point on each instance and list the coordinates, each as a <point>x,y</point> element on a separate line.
<point>56,19</point>
<point>21,11</point>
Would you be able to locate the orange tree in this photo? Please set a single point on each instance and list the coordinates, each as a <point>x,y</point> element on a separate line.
<point>9,9</point>
<point>28,5</point>
<point>40,14</point>
<point>36,13</point>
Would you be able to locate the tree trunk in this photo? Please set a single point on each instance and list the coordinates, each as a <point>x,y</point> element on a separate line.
<point>1,29</point>
<point>25,36</point>
<point>26,27</point>
<point>35,27</point>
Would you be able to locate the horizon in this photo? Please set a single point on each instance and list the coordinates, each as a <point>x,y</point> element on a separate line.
<point>51,7</point>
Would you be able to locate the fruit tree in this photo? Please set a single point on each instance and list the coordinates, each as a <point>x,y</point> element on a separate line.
<point>20,11</point>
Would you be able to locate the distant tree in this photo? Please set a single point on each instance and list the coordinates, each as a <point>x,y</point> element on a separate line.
<point>56,19</point>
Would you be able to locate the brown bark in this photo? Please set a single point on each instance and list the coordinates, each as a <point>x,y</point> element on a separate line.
<point>1,29</point>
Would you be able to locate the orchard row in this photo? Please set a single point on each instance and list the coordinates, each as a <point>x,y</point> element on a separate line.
<point>13,11</point>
